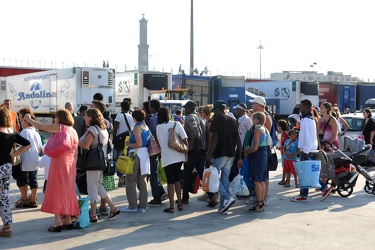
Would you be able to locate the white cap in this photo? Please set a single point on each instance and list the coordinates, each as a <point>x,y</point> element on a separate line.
<point>260,100</point>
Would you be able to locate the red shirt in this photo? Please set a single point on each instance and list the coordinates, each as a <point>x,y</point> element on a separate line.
<point>284,137</point>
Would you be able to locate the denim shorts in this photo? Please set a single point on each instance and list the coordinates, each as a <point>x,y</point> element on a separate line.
<point>28,178</point>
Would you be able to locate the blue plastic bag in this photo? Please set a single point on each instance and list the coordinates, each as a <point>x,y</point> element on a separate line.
<point>83,219</point>
<point>245,172</point>
<point>308,173</point>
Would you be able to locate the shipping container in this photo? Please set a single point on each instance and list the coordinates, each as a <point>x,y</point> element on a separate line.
<point>364,92</point>
<point>347,97</point>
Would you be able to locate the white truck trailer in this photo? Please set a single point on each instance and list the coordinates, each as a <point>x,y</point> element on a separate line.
<point>289,93</point>
<point>47,91</point>
<point>137,85</point>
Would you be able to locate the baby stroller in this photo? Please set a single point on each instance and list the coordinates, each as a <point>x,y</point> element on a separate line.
<point>347,166</point>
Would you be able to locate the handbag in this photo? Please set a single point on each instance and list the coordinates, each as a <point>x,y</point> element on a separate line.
<point>125,164</point>
<point>119,140</point>
<point>81,182</point>
<point>153,146</point>
<point>196,181</point>
<point>58,143</point>
<point>272,159</point>
<point>16,171</point>
<point>93,158</point>
<point>161,174</point>
<point>16,160</point>
<point>109,183</point>
<point>83,219</point>
<point>175,141</point>
<point>211,180</point>
<point>238,186</point>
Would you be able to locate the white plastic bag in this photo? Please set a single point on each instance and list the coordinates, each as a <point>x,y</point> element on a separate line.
<point>238,187</point>
<point>210,180</point>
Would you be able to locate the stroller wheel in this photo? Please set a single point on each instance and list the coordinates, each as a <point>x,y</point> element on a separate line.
<point>345,189</point>
<point>369,187</point>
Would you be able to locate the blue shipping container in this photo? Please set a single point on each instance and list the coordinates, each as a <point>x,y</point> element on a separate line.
<point>364,93</point>
<point>347,97</point>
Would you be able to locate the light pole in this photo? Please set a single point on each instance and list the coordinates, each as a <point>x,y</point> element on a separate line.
<point>260,47</point>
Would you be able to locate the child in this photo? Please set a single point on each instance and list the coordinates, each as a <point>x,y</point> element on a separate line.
<point>178,117</point>
<point>282,126</point>
<point>291,151</point>
<point>29,161</point>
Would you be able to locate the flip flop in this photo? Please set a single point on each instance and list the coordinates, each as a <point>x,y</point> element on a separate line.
<point>113,213</point>
<point>282,183</point>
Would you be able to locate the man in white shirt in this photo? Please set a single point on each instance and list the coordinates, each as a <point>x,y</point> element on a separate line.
<point>121,126</point>
<point>308,144</point>
<point>244,122</point>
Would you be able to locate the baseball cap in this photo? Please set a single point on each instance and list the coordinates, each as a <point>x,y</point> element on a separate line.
<point>260,100</point>
<point>241,106</point>
<point>190,104</point>
<point>218,103</point>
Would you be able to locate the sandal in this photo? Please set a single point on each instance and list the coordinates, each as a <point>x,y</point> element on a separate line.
<point>259,207</point>
<point>113,213</point>
<point>6,232</point>
<point>169,210</point>
<point>56,229</point>
<point>287,185</point>
<point>282,182</point>
<point>94,219</point>
<point>180,207</point>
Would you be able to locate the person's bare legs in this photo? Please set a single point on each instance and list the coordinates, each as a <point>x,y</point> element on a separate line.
<point>177,186</point>
<point>170,188</point>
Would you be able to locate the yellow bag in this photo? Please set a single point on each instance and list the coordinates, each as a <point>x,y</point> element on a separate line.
<point>125,164</point>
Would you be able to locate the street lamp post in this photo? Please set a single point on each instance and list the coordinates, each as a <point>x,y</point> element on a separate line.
<point>260,47</point>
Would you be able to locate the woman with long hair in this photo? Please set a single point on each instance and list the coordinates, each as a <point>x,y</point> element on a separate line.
<point>368,132</point>
<point>96,129</point>
<point>8,136</point>
<point>327,126</point>
<point>171,159</point>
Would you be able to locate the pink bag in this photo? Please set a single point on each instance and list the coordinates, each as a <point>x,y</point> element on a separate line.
<point>153,146</point>
<point>58,143</point>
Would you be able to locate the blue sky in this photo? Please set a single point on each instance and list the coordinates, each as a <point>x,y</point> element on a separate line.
<point>295,34</point>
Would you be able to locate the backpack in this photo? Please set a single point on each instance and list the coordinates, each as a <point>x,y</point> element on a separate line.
<point>273,131</point>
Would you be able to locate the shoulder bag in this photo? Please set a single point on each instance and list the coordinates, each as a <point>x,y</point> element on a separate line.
<point>175,141</point>
<point>119,140</point>
<point>125,164</point>
<point>111,166</point>
<point>58,143</point>
<point>153,146</point>
<point>93,158</point>
<point>272,159</point>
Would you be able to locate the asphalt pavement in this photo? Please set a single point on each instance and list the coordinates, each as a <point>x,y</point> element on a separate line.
<point>336,223</point>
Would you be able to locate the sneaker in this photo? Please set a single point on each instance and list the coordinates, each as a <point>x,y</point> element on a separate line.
<point>221,212</point>
<point>103,212</point>
<point>164,197</point>
<point>300,198</point>
<point>228,202</point>
<point>204,197</point>
<point>127,209</point>
<point>141,210</point>
<point>121,181</point>
<point>153,203</point>
<point>326,193</point>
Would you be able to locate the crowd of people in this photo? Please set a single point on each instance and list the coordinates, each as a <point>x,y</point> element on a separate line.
<point>213,136</point>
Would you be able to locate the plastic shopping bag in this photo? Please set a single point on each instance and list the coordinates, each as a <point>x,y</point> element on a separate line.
<point>211,180</point>
<point>308,173</point>
<point>238,187</point>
